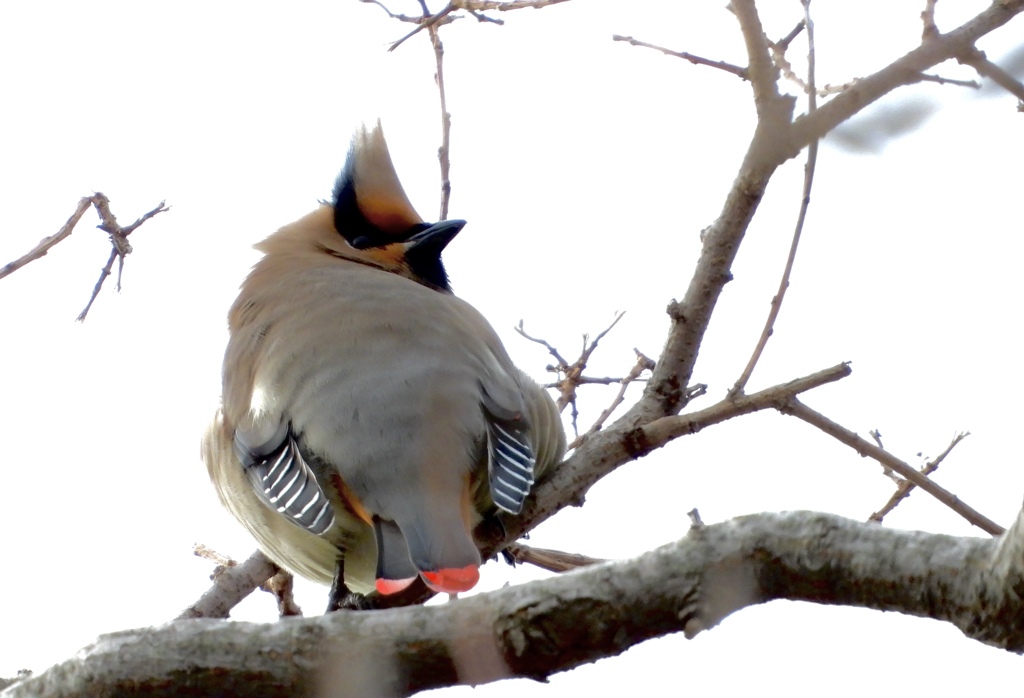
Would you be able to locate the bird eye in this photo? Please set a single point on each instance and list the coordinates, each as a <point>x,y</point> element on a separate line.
<point>361,242</point>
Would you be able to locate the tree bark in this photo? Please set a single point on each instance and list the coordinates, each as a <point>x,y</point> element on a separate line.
<point>553,625</point>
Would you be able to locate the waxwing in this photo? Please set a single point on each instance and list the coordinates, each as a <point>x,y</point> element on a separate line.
<point>370,418</point>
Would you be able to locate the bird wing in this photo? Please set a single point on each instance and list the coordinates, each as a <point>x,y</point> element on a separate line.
<point>284,481</point>
<point>511,460</point>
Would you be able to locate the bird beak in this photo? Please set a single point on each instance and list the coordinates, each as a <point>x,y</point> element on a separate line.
<point>435,238</point>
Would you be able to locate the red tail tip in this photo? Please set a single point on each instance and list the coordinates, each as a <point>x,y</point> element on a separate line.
<point>452,580</point>
<point>393,586</point>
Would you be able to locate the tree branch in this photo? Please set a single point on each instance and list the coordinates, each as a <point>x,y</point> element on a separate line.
<point>606,450</point>
<point>905,487</point>
<point>46,243</point>
<point>866,448</point>
<point>805,202</point>
<point>535,630</point>
<point>986,68</point>
<point>696,60</point>
<point>903,71</point>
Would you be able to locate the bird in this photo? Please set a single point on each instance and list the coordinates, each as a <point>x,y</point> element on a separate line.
<point>369,417</point>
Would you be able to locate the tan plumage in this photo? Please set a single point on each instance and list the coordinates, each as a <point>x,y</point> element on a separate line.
<point>353,371</point>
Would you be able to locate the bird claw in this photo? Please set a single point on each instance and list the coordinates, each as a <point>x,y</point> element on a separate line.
<point>349,601</point>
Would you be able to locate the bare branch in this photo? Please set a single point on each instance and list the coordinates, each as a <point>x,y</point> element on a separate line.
<point>550,560</point>
<point>643,363</point>
<point>508,6</point>
<point>886,470</point>
<point>986,68</point>
<point>412,19</point>
<point>104,273</point>
<point>868,449</point>
<point>535,630</point>
<point>906,70</point>
<point>426,22</point>
<point>572,374</point>
<point>119,247</point>
<point>782,44</point>
<point>905,487</point>
<point>551,350</point>
<point>938,79</point>
<point>805,202</point>
<point>606,450</point>
<point>443,153</point>
<point>281,585</point>
<point>661,431</point>
<point>696,60</point>
<point>776,139</point>
<point>46,243</point>
<point>231,584</point>
<point>930,30</point>
<point>761,72</point>
<point>200,550</point>
<point>429,21</point>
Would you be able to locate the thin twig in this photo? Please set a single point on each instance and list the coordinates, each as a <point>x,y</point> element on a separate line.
<point>886,470</point>
<point>550,560</point>
<point>805,201</point>
<point>46,243</point>
<point>938,79</point>
<point>986,68</point>
<point>393,15</point>
<point>118,243</point>
<point>544,343</point>
<point>104,273</point>
<point>426,22</point>
<point>443,153</point>
<point>471,7</point>
<point>200,550</point>
<point>571,374</point>
<point>866,448</point>
<point>643,363</point>
<point>508,6</point>
<point>696,60</point>
<point>905,487</point>
<point>783,43</point>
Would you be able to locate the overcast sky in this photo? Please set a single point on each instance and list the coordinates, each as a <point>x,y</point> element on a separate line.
<point>586,170</point>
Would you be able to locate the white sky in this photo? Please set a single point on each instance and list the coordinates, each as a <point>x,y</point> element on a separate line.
<point>586,170</point>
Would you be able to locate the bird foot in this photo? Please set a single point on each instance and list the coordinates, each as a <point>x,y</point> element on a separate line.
<point>349,601</point>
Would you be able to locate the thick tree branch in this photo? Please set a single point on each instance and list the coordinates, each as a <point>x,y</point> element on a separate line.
<point>538,629</point>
